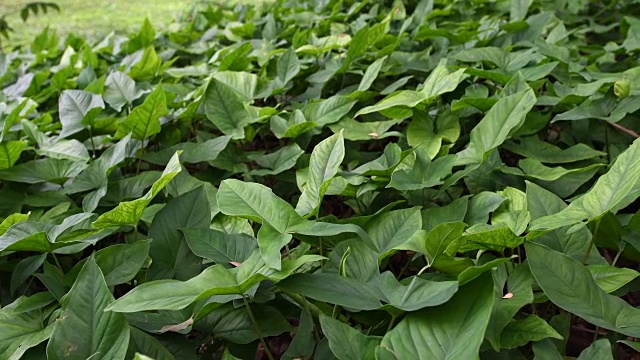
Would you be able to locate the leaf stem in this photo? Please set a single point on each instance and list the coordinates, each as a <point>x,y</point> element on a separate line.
<point>93,144</point>
<point>393,320</point>
<point>256,328</point>
<point>615,259</point>
<point>55,258</point>
<point>625,130</point>
<point>593,240</point>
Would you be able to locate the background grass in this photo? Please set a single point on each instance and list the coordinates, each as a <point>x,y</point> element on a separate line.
<point>93,18</point>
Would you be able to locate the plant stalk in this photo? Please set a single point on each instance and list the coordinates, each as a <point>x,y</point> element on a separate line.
<point>593,240</point>
<point>256,328</point>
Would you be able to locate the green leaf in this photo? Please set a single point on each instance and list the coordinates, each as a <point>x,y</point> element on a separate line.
<point>533,148</point>
<point>414,293</point>
<point>147,66</point>
<point>371,74</point>
<point>540,203</point>
<point>83,317</point>
<point>520,332</point>
<point>334,289</point>
<point>632,41</point>
<point>423,173</point>
<point>10,153</point>
<point>278,161</point>
<point>170,255</point>
<point>546,349</point>
<point>360,131</point>
<point>120,263</point>
<point>323,166</point>
<point>435,333</point>
<point>256,202</point>
<point>214,280</point>
<point>505,117</point>
<point>24,269</point>
<point>611,278</point>
<point>519,285</point>
<point>612,191</point>
<point>519,9</point>
<point>120,90</point>
<point>226,110</point>
<point>144,120</point>
<point>191,152</point>
<point>129,212</point>
<point>599,350</point>
<point>74,106</point>
<point>571,286</point>
<point>20,331</point>
<point>143,343</point>
<point>421,131</point>
<point>234,324</point>
<point>347,343</point>
<point>440,81</point>
<point>328,111</point>
<point>270,242</point>
<point>288,67</point>
<point>43,170</point>
<point>219,246</point>
<point>303,344</point>
<point>485,237</point>
<point>393,228</point>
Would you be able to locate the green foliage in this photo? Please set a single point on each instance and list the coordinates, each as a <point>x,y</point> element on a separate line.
<point>326,180</point>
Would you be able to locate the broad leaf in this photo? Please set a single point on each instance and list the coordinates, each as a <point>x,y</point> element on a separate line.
<point>435,333</point>
<point>129,212</point>
<point>144,120</point>
<point>571,286</point>
<point>83,317</point>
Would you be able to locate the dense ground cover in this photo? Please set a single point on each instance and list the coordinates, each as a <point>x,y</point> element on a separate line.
<point>327,180</point>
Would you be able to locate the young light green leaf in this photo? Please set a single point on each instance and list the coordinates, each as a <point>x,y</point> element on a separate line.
<point>129,212</point>
<point>611,278</point>
<point>144,120</point>
<point>10,153</point>
<point>506,116</point>
<point>439,82</point>
<point>611,191</point>
<point>323,166</point>
<point>148,65</point>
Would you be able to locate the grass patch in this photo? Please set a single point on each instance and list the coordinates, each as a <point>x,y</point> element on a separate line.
<point>93,18</point>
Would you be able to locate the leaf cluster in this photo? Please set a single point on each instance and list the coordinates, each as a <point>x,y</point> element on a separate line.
<point>326,180</point>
